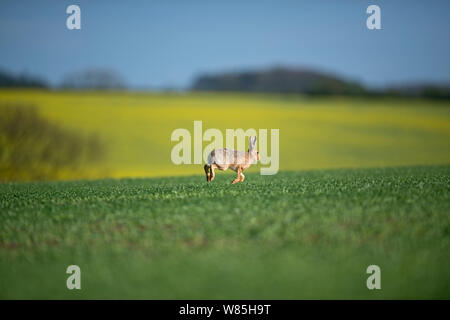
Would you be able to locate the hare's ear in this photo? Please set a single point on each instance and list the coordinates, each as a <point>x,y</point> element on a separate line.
<point>254,142</point>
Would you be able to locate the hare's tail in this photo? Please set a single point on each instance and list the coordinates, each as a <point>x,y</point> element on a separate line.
<point>211,158</point>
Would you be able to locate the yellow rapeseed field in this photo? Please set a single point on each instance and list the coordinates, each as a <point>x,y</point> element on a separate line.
<point>314,132</point>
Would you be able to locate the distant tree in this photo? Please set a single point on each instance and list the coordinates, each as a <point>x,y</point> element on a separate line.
<point>8,80</point>
<point>33,148</point>
<point>420,90</point>
<point>436,92</point>
<point>94,79</point>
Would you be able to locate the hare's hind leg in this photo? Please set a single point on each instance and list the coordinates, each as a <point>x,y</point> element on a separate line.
<point>208,175</point>
<point>212,173</point>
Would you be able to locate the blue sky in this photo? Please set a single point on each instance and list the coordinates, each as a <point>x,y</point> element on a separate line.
<point>167,43</point>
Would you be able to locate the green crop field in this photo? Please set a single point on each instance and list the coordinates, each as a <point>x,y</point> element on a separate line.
<point>141,227</point>
<point>307,234</point>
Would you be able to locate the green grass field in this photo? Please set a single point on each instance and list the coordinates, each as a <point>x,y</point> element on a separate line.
<point>307,234</point>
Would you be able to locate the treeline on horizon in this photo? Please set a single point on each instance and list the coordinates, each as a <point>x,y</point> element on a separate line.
<point>276,80</point>
<point>309,82</point>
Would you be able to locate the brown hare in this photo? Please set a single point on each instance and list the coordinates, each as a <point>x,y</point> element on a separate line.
<point>238,161</point>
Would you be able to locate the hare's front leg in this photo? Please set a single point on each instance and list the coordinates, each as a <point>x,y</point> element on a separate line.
<point>239,176</point>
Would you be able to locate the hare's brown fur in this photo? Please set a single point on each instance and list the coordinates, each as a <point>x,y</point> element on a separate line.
<point>238,161</point>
